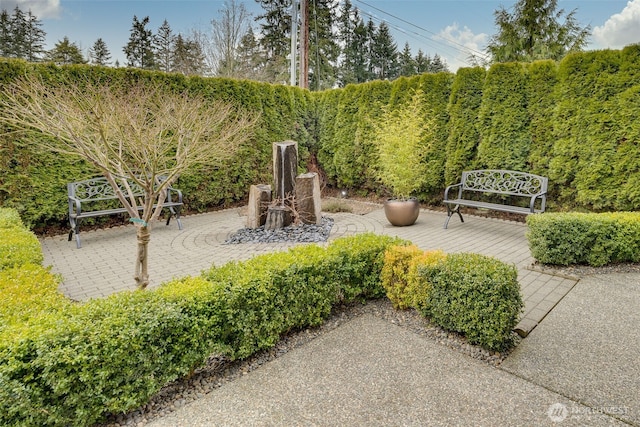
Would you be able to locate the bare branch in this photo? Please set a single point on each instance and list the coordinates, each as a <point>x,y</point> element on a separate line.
<point>132,134</point>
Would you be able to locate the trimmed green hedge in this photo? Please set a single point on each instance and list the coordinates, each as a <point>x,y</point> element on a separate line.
<point>18,246</point>
<point>584,238</point>
<point>29,293</point>
<point>72,364</point>
<point>10,218</point>
<point>573,121</point>
<point>475,295</point>
<point>78,363</point>
<point>34,182</point>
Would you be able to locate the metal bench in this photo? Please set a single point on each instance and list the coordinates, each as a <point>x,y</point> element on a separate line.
<point>476,184</point>
<point>83,195</point>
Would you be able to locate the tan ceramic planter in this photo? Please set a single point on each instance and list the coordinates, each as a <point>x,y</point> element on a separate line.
<point>402,212</point>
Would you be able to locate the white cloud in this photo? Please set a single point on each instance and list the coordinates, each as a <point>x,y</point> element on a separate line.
<point>42,9</point>
<point>463,43</point>
<point>620,29</point>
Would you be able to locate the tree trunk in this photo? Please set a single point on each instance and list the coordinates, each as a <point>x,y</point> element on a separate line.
<point>142,271</point>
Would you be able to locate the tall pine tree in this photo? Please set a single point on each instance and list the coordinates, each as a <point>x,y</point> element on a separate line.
<point>64,53</point>
<point>384,54</point>
<point>163,43</point>
<point>139,49</point>
<point>6,39</point>
<point>34,38</point>
<point>187,57</point>
<point>406,63</point>
<point>21,35</point>
<point>99,53</point>
<point>323,49</point>
<point>535,30</point>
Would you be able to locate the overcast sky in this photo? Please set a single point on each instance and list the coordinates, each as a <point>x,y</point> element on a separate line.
<point>453,29</point>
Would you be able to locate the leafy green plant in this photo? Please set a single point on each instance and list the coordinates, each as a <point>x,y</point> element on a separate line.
<point>18,246</point>
<point>357,262</point>
<point>28,292</point>
<point>595,239</point>
<point>10,218</point>
<point>400,139</point>
<point>475,295</point>
<point>399,275</point>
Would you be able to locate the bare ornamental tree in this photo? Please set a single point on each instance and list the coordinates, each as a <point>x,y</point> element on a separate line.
<point>131,134</point>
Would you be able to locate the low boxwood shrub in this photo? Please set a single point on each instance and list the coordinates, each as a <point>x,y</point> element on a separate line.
<point>28,292</point>
<point>475,295</point>
<point>10,218</point>
<point>18,245</point>
<point>399,275</point>
<point>357,263</point>
<point>271,294</point>
<point>80,362</point>
<point>584,238</point>
<point>108,355</point>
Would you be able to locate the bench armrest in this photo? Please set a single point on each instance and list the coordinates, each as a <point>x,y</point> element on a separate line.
<point>74,206</point>
<point>170,197</point>
<point>446,191</point>
<point>543,201</point>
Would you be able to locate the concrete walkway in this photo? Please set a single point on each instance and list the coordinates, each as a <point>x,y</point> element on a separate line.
<point>578,367</point>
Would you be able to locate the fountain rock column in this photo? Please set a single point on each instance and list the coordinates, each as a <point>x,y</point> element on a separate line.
<point>308,199</point>
<point>285,169</point>
<point>259,200</point>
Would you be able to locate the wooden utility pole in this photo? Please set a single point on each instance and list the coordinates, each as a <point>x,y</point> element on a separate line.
<point>304,45</point>
<point>294,40</point>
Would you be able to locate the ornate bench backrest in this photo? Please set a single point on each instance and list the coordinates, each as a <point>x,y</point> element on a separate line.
<point>504,182</point>
<point>99,189</point>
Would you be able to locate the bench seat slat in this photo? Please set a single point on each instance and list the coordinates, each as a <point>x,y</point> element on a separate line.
<point>492,206</point>
<point>87,214</point>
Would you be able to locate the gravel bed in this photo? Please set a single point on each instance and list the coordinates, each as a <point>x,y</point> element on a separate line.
<point>219,370</point>
<point>304,233</point>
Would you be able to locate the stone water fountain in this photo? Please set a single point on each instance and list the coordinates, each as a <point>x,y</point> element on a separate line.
<point>293,195</point>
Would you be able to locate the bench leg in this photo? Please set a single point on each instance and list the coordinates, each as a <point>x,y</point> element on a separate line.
<point>75,229</point>
<point>176,213</point>
<point>450,213</point>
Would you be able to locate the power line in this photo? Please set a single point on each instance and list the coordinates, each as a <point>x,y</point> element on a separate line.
<point>443,47</point>
<point>452,43</point>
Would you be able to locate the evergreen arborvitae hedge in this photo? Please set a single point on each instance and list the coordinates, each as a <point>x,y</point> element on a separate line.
<point>542,76</point>
<point>34,182</point>
<point>595,130</point>
<point>464,135</point>
<point>574,121</point>
<point>437,91</point>
<point>504,119</point>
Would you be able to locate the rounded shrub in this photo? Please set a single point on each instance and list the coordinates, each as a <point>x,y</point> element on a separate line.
<point>404,286</point>
<point>475,295</point>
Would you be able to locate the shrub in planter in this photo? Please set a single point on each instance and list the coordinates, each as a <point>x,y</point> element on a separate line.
<point>475,295</point>
<point>401,141</point>
<point>399,276</point>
